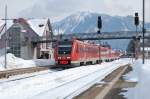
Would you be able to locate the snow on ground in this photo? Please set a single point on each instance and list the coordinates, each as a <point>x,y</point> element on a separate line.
<point>141,74</point>
<point>58,85</point>
<point>14,62</point>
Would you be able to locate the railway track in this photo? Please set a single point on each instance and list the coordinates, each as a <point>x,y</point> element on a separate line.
<point>21,77</point>
<point>13,72</point>
<point>63,83</point>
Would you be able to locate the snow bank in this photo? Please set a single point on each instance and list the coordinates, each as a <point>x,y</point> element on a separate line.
<point>140,74</point>
<point>133,76</point>
<point>14,62</point>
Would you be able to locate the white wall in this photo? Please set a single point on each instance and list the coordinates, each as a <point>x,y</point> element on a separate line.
<point>27,52</point>
<point>2,51</point>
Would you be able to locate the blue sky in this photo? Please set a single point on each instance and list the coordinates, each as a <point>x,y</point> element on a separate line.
<point>60,8</point>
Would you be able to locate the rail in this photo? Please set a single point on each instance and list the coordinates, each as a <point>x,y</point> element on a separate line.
<point>13,72</point>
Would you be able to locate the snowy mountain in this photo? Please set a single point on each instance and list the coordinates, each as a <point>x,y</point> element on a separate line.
<point>87,22</point>
<point>84,22</point>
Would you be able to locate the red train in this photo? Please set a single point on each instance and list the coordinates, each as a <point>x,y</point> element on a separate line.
<point>75,53</point>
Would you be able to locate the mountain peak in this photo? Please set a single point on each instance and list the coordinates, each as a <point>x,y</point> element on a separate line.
<point>86,21</point>
<point>79,16</point>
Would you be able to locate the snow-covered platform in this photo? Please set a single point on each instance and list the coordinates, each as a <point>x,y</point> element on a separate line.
<point>141,75</point>
<point>59,85</point>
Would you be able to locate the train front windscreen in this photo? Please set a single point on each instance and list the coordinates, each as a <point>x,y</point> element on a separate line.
<point>64,47</point>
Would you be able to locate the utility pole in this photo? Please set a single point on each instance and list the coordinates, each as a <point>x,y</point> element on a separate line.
<point>6,37</point>
<point>143,30</point>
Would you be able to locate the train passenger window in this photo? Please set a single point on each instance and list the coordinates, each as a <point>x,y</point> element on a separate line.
<point>77,49</point>
<point>80,49</point>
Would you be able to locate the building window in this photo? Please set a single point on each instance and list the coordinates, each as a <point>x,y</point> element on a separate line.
<point>15,41</point>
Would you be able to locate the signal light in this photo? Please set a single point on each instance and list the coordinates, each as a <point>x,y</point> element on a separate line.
<point>136,19</point>
<point>99,24</point>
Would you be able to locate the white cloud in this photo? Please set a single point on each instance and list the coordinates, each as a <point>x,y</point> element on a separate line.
<point>14,6</point>
<point>61,8</point>
<point>111,7</point>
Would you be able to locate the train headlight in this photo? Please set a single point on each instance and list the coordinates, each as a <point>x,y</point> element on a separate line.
<point>68,57</point>
<point>59,57</point>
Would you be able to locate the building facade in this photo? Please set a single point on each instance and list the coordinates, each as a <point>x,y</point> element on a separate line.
<point>20,34</point>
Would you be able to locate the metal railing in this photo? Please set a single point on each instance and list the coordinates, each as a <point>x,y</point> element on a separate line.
<point>93,36</point>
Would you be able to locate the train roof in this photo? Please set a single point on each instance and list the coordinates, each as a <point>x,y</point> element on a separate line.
<point>103,47</point>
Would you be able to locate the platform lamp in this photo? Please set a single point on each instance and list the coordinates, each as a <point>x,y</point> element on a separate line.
<point>99,25</point>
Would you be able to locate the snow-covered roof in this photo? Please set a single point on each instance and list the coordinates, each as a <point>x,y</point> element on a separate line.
<point>38,25</point>
<point>9,24</point>
<point>1,22</point>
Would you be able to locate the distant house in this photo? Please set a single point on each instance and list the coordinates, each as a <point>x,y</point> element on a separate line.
<point>20,34</point>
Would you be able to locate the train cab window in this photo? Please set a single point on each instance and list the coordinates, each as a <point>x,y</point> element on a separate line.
<point>64,47</point>
<point>65,43</point>
<point>64,50</point>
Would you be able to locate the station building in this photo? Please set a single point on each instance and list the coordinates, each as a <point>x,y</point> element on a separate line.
<point>19,36</point>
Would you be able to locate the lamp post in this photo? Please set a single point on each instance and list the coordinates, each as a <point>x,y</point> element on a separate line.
<point>143,30</point>
<point>99,25</point>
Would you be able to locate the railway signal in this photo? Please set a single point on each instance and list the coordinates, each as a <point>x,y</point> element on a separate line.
<point>99,25</point>
<point>136,20</point>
